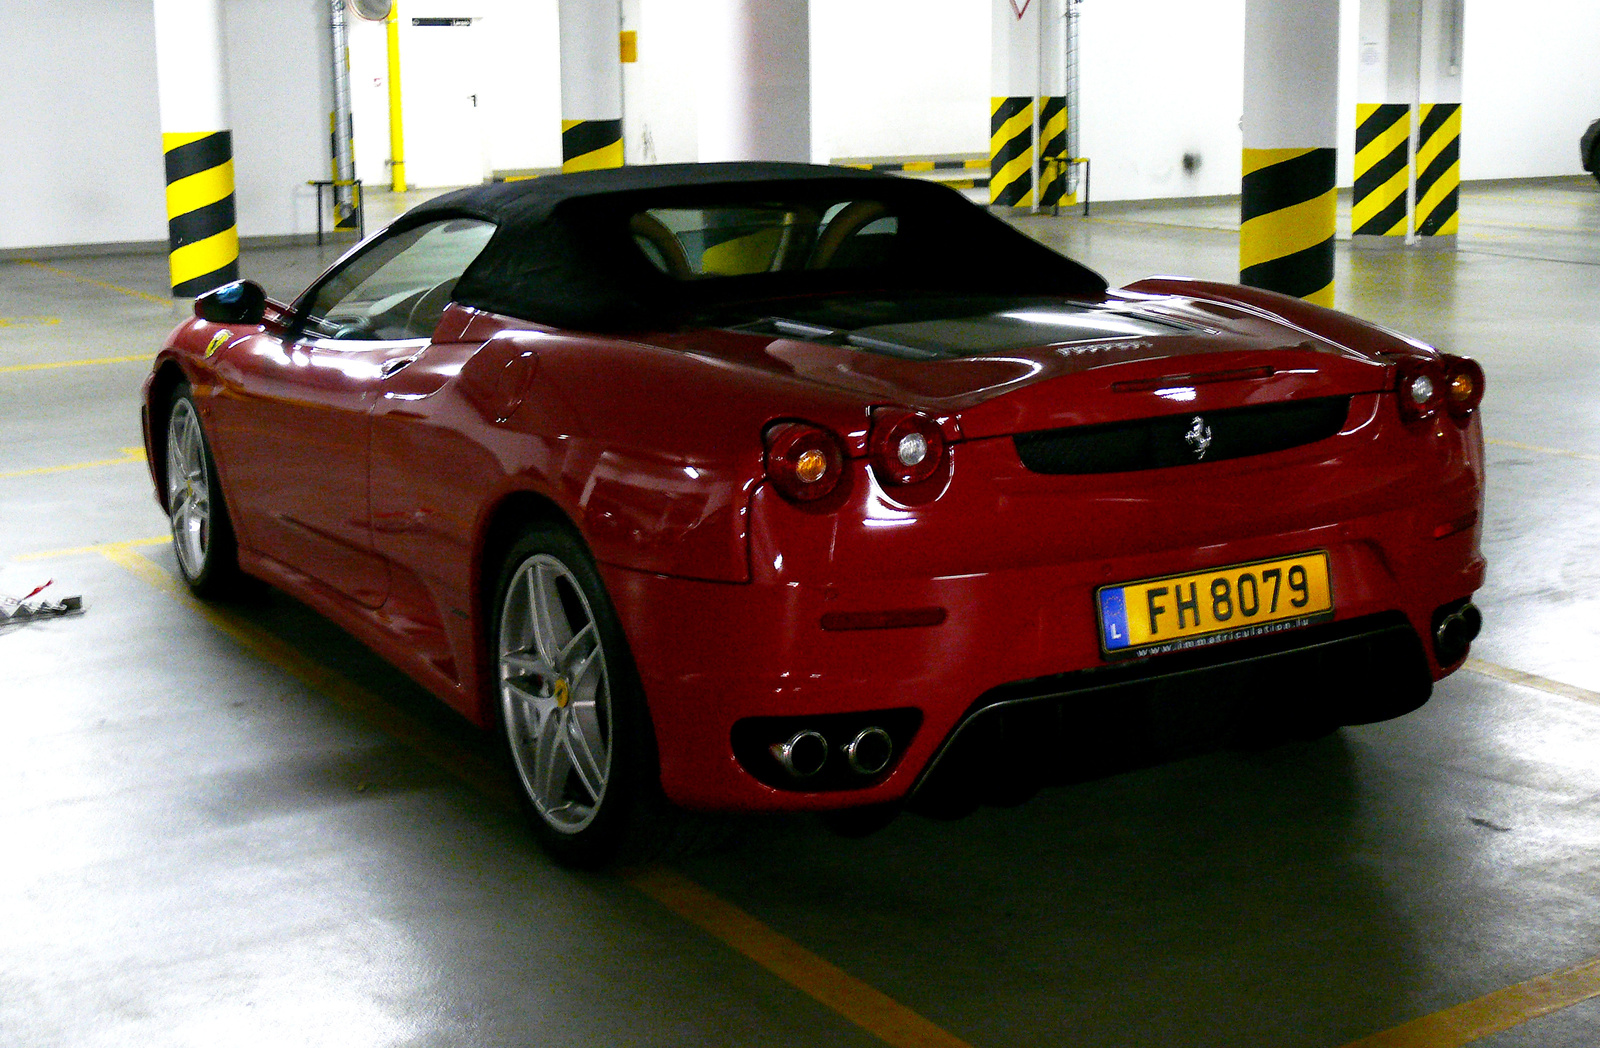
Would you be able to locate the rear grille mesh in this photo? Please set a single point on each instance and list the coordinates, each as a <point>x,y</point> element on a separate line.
<point>1177,440</point>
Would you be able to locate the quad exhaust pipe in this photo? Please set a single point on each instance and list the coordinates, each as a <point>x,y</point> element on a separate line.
<point>1456,631</point>
<point>805,753</point>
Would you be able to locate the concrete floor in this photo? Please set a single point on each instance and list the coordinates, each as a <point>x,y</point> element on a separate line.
<point>235,826</point>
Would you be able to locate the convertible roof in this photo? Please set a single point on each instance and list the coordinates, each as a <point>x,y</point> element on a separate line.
<point>563,254</point>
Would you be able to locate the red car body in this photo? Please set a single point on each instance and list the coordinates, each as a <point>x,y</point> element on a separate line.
<point>376,492</point>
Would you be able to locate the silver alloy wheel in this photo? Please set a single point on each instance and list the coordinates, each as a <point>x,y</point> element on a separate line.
<point>555,693</point>
<point>188,488</point>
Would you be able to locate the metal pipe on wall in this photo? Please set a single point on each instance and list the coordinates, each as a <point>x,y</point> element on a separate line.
<point>341,124</point>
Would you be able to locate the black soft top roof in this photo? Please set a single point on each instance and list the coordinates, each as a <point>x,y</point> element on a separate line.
<point>563,254</point>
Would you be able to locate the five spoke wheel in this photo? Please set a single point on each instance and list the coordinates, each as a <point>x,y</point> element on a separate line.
<point>555,693</point>
<point>188,488</point>
<point>202,533</point>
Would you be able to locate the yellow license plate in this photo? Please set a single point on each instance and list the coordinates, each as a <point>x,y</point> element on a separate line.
<point>1242,600</point>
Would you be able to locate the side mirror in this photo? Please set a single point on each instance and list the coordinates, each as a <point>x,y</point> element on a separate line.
<point>241,302</point>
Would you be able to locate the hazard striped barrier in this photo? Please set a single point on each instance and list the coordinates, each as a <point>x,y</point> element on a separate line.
<point>202,227</point>
<point>1438,169</point>
<point>589,145</point>
<point>1287,213</point>
<point>1382,170</point>
<point>1011,151</point>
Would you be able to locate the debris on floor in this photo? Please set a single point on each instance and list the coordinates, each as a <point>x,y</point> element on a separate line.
<point>14,611</point>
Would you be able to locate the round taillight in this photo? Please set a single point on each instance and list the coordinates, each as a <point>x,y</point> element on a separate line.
<point>1420,387</point>
<point>1463,390</point>
<point>906,447</point>
<point>804,462</point>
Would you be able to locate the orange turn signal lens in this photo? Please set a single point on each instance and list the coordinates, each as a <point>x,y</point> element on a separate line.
<point>805,462</point>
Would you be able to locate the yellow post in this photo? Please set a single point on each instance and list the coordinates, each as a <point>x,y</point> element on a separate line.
<point>397,138</point>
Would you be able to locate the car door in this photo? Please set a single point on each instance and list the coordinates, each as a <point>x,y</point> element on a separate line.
<point>298,415</point>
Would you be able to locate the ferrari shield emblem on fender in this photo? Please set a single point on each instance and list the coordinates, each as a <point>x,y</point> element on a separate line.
<point>216,342</point>
<point>1198,438</point>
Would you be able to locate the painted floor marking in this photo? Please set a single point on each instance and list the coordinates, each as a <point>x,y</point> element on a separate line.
<point>97,283</point>
<point>100,550</point>
<point>128,455</point>
<point>1494,1012</point>
<point>868,1008</point>
<point>51,365</point>
<point>1532,680</point>
<point>873,1011</point>
<point>459,762</point>
<point>831,986</point>
<point>1586,456</point>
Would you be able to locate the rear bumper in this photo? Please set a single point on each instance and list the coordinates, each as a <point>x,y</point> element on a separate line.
<point>1013,560</point>
<point>722,654</point>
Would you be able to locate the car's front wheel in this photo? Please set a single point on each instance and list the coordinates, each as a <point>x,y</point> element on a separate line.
<point>202,533</point>
<point>570,708</point>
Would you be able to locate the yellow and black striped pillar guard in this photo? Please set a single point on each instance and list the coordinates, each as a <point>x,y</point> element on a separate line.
<point>1011,150</point>
<point>202,227</point>
<point>1287,211</point>
<point>1383,169</point>
<point>1053,152</point>
<point>1438,169</point>
<point>589,145</point>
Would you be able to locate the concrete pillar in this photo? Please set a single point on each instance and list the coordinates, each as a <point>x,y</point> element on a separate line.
<point>1386,88</point>
<point>1027,103</point>
<point>591,85</point>
<point>755,87</point>
<point>1438,167</point>
<point>202,228</point>
<point>1287,207</point>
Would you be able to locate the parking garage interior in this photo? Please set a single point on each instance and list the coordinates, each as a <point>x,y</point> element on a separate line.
<point>231,823</point>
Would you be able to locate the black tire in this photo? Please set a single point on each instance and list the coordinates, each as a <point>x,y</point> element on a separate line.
<point>202,530</point>
<point>574,726</point>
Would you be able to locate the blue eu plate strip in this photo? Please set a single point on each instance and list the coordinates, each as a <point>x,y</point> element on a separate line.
<point>1113,619</point>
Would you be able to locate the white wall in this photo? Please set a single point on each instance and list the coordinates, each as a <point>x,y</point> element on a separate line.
<point>896,77</point>
<point>1161,78</point>
<point>83,132</point>
<point>79,123</point>
<point>279,97</point>
<point>1530,85</point>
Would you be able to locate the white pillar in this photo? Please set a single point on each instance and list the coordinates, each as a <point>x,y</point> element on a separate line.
<point>1291,84</point>
<point>1438,166</point>
<point>755,87</point>
<point>1015,51</point>
<point>591,85</point>
<point>197,142</point>
<point>1386,88</point>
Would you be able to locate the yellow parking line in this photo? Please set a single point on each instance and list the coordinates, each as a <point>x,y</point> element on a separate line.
<point>1586,456</point>
<point>82,551</point>
<point>52,364</point>
<point>463,764</point>
<point>128,455</point>
<point>1493,1013</point>
<point>849,997</point>
<point>1531,680</point>
<point>873,1011</point>
<point>97,283</point>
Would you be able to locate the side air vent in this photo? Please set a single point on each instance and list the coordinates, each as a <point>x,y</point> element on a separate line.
<point>1182,440</point>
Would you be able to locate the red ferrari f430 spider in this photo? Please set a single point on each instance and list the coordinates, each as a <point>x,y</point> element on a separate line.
<point>760,487</point>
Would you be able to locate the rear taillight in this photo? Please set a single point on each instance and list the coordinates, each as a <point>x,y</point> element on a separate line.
<point>906,447</point>
<point>1427,386</point>
<point>804,462</point>
<point>1420,388</point>
<point>1463,386</point>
